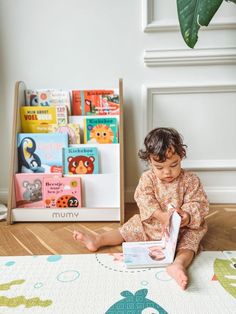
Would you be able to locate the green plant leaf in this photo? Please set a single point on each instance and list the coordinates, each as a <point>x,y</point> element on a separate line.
<point>193,14</point>
<point>234,1</point>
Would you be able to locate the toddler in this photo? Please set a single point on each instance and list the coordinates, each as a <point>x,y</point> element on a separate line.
<point>163,184</point>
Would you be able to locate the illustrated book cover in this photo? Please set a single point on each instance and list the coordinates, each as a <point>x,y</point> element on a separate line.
<point>101,130</point>
<point>29,189</point>
<point>37,119</point>
<point>72,129</point>
<point>80,160</point>
<point>41,152</point>
<point>47,97</point>
<point>62,192</point>
<point>95,102</point>
<point>158,253</point>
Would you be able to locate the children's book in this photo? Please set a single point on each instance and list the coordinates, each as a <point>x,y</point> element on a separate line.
<point>80,160</point>
<point>158,253</point>
<point>101,130</point>
<point>95,102</point>
<point>37,119</point>
<point>47,97</point>
<point>62,192</point>
<point>72,129</point>
<point>40,152</point>
<point>29,189</point>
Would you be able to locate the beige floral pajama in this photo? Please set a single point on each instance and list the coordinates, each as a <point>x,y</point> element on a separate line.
<point>185,192</point>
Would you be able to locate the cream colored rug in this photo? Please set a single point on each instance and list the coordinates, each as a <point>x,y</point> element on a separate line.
<point>100,283</point>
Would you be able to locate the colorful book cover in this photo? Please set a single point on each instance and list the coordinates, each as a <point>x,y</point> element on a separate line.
<point>37,119</point>
<point>72,129</point>
<point>47,97</point>
<point>62,192</point>
<point>101,130</point>
<point>158,253</point>
<point>39,152</point>
<point>80,160</point>
<point>95,102</point>
<point>29,189</point>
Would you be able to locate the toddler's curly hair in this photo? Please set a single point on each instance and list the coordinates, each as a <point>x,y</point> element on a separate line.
<point>159,141</point>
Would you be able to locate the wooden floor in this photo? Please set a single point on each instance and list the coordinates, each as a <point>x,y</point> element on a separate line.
<point>56,238</point>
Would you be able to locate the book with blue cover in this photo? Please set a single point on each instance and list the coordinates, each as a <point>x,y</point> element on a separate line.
<point>41,152</point>
<point>80,160</point>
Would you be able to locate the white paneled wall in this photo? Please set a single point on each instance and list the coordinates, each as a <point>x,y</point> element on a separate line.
<point>80,44</point>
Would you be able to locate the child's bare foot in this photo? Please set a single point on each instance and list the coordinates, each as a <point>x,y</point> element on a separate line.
<point>179,274</point>
<point>89,240</point>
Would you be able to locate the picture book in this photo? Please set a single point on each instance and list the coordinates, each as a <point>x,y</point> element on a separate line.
<point>158,253</point>
<point>41,152</point>
<point>72,129</point>
<point>36,119</point>
<point>80,160</point>
<point>62,192</point>
<point>95,102</point>
<point>47,97</point>
<point>28,189</point>
<point>101,130</point>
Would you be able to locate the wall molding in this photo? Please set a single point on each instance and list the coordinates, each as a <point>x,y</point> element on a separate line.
<point>151,25</point>
<point>148,93</point>
<point>210,165</point>
<point>172,57</point>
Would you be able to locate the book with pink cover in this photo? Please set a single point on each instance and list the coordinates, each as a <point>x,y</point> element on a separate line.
<point>64,192</point>
<point>28,189</point>
<point>158,253</point>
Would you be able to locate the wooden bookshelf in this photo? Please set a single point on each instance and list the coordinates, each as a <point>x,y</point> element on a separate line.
<point>104,204</point>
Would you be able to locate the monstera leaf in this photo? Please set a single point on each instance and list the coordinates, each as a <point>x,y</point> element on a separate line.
<point>193,14</point>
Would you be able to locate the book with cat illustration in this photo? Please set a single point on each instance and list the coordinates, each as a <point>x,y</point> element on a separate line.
<point>158,253</point>
<point>95,102</point>
<point>101,130</point>
<point>64,192</point>
<point>80,160</point>
<point>41,152</point>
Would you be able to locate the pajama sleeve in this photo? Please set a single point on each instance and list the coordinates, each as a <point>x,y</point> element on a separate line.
<point>195,202</point>
<point>145,197</point>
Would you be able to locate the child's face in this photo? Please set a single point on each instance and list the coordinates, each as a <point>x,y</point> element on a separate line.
<point>167,170</point>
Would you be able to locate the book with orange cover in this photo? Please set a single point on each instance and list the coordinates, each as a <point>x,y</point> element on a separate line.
<point>95,102</point>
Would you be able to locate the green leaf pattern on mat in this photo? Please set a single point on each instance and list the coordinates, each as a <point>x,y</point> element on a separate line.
<point>20,300</point>
<point>7,286</point>
<point>226,274</point>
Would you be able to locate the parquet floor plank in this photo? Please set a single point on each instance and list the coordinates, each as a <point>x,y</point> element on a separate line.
<point>56,238</point>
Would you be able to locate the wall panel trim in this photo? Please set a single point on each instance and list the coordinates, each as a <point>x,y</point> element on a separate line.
<point>173,57</point>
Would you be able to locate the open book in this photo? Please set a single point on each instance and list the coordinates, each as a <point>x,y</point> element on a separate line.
<point>153,253</point>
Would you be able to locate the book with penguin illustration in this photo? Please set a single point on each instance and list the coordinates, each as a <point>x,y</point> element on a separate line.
<point>64,140</point>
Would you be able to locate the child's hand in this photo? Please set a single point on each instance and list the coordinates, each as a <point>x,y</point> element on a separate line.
<point>164,219</point>
<point>185,217</point>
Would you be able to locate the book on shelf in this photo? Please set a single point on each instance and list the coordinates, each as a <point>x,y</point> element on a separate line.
<point>101,130</point>
<point>47,97</point>
<point>29,189</point>
<point>41,152</point>
<point>62,192</point>
<point>72,129</point>
<point>37,119</point>
<point>95,102</point>
<point>158,253</point>
<point>80,160</point>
